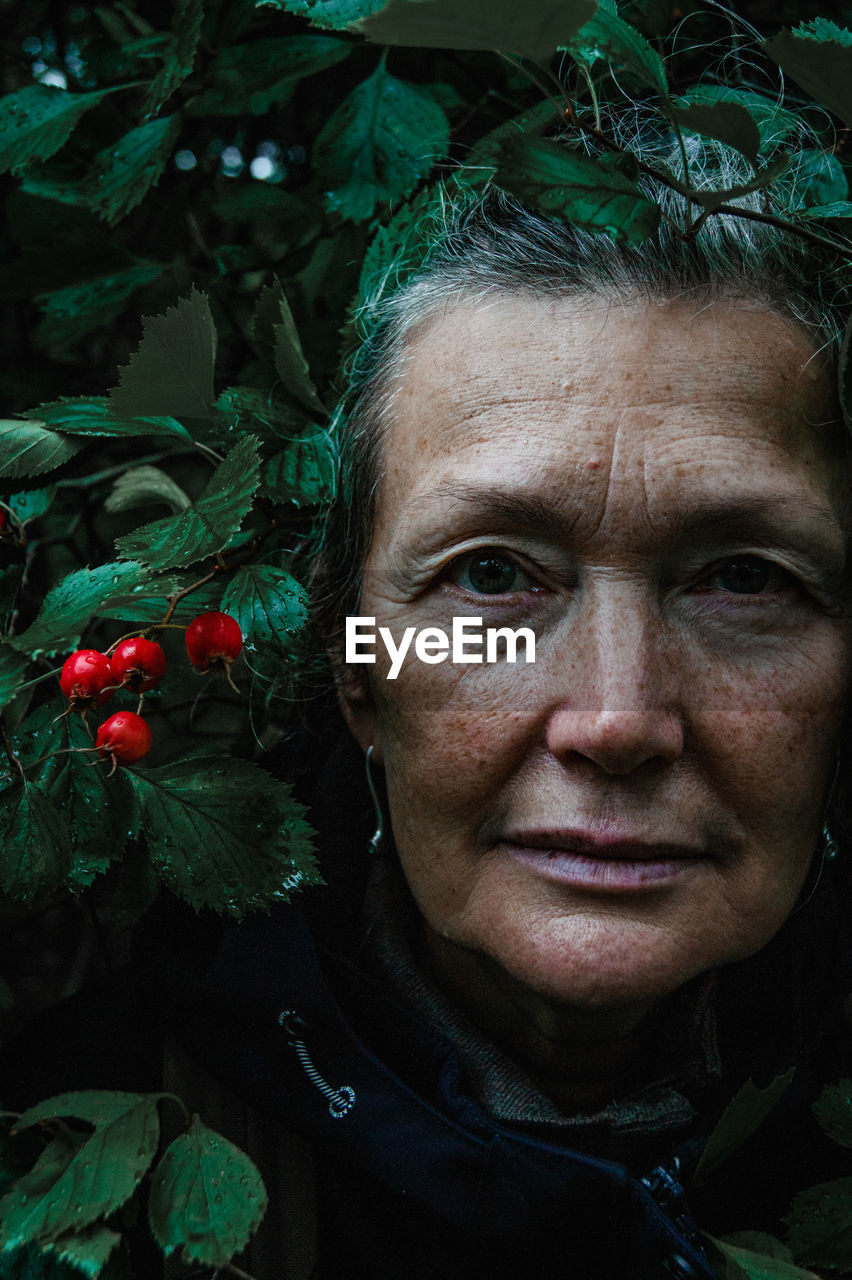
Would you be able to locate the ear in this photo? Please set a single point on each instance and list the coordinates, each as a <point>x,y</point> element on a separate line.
<point>355,696</point>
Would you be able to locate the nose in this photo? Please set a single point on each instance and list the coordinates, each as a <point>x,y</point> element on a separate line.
<point>616,700</point>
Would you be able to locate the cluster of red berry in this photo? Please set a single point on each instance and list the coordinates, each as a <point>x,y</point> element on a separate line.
<point>89,678</point>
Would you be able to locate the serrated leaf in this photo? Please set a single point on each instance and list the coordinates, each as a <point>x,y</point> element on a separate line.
<point>31,504</point>
<point>171,372</point>
<point>774,123</point>
<point>206,526</point>
<point>101,1174</point>
<point>727,122</point>
<point>271,608</point>
<point>252,78</point>
<point>303,472</point>
<point>70,605</point>
<point>180,54</point>
<point>742,1116</point>
<point>123,174</point>
<point>35,849</point>
<point>820,1225</point>
<point>533,30</point>
<point>379,142</point>
<point>839,209</point>
<point>30,449</point>
<point>332,15</point>
<point>12,668</point>
<point>833,1109</point>
<point>818,56</point>
<point>265,413</point>
<point>276,335</point>
<point>568,185</point>
<point>736,1262</point>
<point>223,833</point>
<point>35,122</point>
<point>97,808</point>
<point>206,1195</point>
<point>148,608</point>
<point>142,486</point>
<point>608,36</point>
<point>87,1251</point>
<point>93,416</point>
<point>102,297</point>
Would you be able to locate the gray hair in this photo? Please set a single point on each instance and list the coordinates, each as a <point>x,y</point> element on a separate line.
<point>483,244</point>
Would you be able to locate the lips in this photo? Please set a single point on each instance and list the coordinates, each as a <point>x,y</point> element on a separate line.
<point>602,862</point>
<point>601,845</point>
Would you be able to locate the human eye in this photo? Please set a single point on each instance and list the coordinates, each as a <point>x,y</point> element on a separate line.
<point>489,571</point>
<point>747,575</point>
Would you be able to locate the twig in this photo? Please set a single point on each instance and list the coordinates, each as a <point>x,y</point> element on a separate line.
<point>10,752</point>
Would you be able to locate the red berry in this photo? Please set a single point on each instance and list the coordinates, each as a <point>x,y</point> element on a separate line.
<point>125,736</point>
<point>213,637</point>
<point>85,676</point>
<point>139,664</point>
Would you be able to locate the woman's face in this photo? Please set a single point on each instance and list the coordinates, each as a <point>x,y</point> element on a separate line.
<point>658,493</point>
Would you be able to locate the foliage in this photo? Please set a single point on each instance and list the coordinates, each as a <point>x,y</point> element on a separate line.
<point>242,176</point>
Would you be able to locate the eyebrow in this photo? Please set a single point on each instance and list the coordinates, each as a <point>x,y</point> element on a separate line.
<point>761,518</point>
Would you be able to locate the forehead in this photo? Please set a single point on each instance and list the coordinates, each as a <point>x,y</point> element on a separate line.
<point>583,400</point>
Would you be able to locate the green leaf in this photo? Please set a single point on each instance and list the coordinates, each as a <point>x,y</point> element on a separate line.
<point>142,486</point>
<point>820,180</point>
<point>608,36</point>
<point>94,805</point>
<point>122,175</point>
<point>839,209</point>
<point>205,1195</point>
<point>69,606</point>
<point>572,186</point>
<point>148,607</point>
<point>820,1225</point>
<point>333,15</point>
<point>30,449</point>
<point>728,122</point>
<point>742,1116</point>
<point>35,851</point>
<point>172,371</point>
<point>276,334</point>
<point>271,608</point>
<point>35,122</point>
<point>303,472</point>
<point>93,416</point>
<point>833,1109</point>
<point>818,56</point>
<point>223,833</point>
<point>772,1262</point>
<point>87,1252</point>
<point>32,504</point>
<point>74,1187</point>
<point>533,30</point>
<point>265,413</point>
<point>252,78</point>
<point>180,54</point>
<point>206,526</point>
<point>12,668</point>
<point>773,122</point>
<point>379,142</point>
<point>103,297</point>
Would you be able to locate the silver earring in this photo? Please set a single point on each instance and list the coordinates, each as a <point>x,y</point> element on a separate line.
<point>376,838</point>
<point>829,844</point>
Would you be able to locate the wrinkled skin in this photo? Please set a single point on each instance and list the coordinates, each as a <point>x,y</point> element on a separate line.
<point>619,462</point>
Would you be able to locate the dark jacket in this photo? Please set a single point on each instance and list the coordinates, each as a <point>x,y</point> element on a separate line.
<point>411,1178</point>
